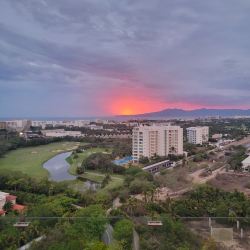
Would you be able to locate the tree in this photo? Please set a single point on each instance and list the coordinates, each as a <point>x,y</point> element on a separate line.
<point>106,180</point>
<point>184,161</point>
<point>96,245</point>
<point>130,206</point>
<point>172,150</point>
<point>123,232</point>
<point>99,161</point>
<point>8,206</point>
<point>80,170</point>
<point>91,223</point>
<point>143,160</point>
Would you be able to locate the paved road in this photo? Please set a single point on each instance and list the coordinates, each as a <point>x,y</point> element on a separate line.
<point>107,236</point>
<point>28,245</point>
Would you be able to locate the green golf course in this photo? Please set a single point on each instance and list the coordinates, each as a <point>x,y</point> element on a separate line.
<point>30,160</point>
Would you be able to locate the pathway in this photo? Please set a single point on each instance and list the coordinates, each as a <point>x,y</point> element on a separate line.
<point>198,179</point>
<point>107,236</point>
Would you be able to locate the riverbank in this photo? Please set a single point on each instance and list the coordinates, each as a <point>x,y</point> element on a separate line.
<point>97,177</point>
<point>30,160</point>
<point>57,167</point>
<point>94,176</point>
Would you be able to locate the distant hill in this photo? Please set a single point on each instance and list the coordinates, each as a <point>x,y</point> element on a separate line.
<point>180,113</point>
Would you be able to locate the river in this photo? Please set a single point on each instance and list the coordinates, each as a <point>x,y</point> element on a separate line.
<point>58,171</point>
<point>58,167</point>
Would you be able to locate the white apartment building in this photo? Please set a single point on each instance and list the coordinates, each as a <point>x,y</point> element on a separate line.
<point>157,140</point>
<point>198,135</point>
<point>73,123</point>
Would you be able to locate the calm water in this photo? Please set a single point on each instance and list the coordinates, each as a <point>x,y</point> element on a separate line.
<point>58,170</point>
<point>58,167</point>
<point>123,161</point>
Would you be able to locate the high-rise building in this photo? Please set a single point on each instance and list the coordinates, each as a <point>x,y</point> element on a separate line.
<point>198,135</point>
<point>157,140</point>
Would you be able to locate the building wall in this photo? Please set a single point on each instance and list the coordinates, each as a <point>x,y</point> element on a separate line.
<point>2,199</point>
<point>157,139</point>
<point>61,133</point>
<point>18,125</point>
<point>198,135</point>
<point>2,202</point>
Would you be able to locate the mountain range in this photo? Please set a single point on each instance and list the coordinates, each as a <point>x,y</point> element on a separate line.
<point>196,113</point>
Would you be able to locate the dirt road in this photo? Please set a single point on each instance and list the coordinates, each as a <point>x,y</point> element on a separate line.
<point>243,141</point>
<point>197,179</point>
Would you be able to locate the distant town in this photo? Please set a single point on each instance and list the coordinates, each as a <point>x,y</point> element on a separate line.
<point>149,138</point>
<point>123,175</point>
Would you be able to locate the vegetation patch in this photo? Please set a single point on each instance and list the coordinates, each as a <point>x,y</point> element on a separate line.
<point>175,179</point>
<point>76,159</point>
<point>29,160</point>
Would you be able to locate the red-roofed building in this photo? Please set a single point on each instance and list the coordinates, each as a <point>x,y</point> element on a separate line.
<point>11,198</point>
<point>6,197</point>
<point>2,212</point>
<point>18,207</point>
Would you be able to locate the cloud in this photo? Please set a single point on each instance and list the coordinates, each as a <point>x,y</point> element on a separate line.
<point>79,54</point>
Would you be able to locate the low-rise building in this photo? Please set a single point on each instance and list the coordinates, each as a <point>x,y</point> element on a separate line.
<point>61,133</point>
<point>18,125</point>
<point>6,197</point>
<point>156,167</point>
<point>217,136</point>
<point>109,136</point>
<point>246,164</point>
<point>70,123</point>
<point>95,127</point>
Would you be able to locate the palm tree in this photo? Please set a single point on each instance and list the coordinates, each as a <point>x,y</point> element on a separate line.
<point>131,205</point>
<point>184,161</point>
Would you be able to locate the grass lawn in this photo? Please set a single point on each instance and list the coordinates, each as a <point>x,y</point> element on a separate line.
<point>81,156</point>
<point>78,185</point>
<point>95,176</point>
<point>30,160</point>
<point>114,183</point>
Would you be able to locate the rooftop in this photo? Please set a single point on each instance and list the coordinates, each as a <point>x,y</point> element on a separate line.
<point>155,164</point>
<point>18,207</point>
<point>247,160</point>
<point>10,197</point>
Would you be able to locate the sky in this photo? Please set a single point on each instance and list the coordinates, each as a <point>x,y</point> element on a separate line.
<point>106,57</point>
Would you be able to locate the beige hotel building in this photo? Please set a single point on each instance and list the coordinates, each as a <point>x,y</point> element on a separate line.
<point>159,140</point>
<point>198,135</point>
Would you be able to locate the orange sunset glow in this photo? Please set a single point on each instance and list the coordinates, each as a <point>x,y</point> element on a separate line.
<point>133,105</point>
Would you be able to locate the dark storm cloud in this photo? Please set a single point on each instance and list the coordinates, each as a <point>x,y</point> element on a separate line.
<point>74,53</point>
